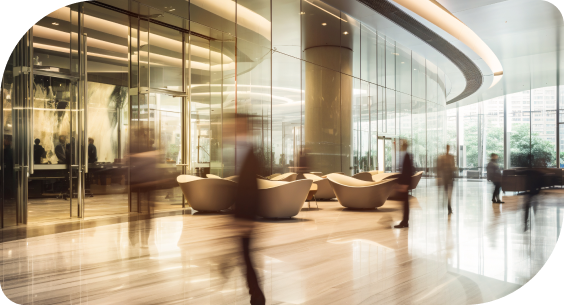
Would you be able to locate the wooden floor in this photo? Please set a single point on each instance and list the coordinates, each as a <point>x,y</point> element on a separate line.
<point>329,255</point>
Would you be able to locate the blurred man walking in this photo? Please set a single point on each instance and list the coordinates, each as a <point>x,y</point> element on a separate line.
<point>445,175</point>
<point>494,175</point>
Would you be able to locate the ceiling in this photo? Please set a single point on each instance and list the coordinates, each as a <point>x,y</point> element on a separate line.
<point>524,34</point>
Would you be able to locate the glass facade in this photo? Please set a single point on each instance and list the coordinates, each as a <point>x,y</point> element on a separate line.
<point>512,126</point>
<point>126,76</point>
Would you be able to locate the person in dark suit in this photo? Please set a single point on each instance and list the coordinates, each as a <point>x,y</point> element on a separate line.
<point>494,175</point>
<point>60,150</point>
<point>404,181</point>
<point>92,153</point>
<point>38,152</point>
<point>246,204</point>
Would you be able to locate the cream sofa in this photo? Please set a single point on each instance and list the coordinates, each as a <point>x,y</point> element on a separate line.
<point>364,176</point>
<point>230,178</point>
<point>324,189</point>
<point>415,180</point>
<point>383,176</point>
<point>288,177</point>
<point>207,194</point>
<point>281,199</point>
<point>358,194</point>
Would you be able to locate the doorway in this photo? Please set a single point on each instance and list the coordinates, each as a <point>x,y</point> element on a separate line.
<point>387,154</point>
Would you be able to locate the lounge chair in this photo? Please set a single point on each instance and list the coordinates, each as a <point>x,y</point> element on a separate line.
<point>384,176</point>
<point>281,199</point>
<point>288,177</point>
<point>415,180</point>
<point>324,189</point>
<point>364,176</point>
<point>207,194</point>
<point>230,178</point>
<point>358,194</point>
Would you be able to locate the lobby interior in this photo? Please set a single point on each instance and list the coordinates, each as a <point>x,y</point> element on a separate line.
<point>332,86</point>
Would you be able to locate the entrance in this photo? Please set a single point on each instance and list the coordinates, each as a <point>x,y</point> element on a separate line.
<point>387,154</point>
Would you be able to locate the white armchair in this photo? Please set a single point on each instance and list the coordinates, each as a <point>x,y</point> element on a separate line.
<point>280,199</point>
<point>358,194</point>
<point>324,189</point>
<point>207,194</point>
<point>364,176</point>
<point>383,176</point>
<point>230,178</point>
<point>288,177</point>
<point>415,180</point>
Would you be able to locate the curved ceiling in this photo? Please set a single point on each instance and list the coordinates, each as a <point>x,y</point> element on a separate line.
<point>471,72</point>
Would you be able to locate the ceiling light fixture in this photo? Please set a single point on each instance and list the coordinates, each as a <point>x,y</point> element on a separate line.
<point>302,13</point>
<point>54,23</point>
<point>435,13</point>
<point>324,24</point>
<point>346,33</point>
<point>328,12</point>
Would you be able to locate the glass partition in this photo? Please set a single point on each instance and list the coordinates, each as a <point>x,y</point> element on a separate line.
<point>320,86</point>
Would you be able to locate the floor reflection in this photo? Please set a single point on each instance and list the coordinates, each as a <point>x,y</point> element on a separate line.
<point>329,255</point>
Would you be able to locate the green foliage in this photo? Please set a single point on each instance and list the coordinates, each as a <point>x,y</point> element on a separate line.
<point>522,143</point>
<point>543,151</point>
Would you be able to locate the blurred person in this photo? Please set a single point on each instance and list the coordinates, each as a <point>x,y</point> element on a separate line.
<point>445,175</point>
<point>404,181</point>
<point>144,173</point>
<point>534,182</point>
<point>246,203</point>
<point>92,153</point>
<point>60,150</point>
<point>494,175</point>
<point>38,152</point>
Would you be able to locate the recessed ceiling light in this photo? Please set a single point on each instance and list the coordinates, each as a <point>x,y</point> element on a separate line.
<point>54,23</point>
<point>172,10</point>
<point>324,24</point>
<point>346,33</point>
<point>302,13</point>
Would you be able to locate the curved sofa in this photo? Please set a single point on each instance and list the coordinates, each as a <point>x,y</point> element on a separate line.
<point>364,176</point>
<point>415,180</point>
<point>383,176</point>
<point>281,199</point>
<point>324,189</point>
<point>288,177</point>
<point>207,194</point>
<point>230,178</point>
<point>358,194</point>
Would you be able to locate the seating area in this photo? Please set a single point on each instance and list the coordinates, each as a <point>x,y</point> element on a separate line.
<point>358,194</point>
<point>283,196</point>
<point>207,195</point>
<point>515,179</point>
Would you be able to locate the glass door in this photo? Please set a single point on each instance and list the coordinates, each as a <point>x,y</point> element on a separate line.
<point>387,155</point>
<point>106,112</point>
<point>55,120</point>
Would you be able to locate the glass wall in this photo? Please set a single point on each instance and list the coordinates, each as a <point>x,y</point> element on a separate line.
<point>513,126</point>
<point>114,78</point>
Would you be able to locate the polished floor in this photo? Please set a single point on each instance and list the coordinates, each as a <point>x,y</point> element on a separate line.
<point>329,255</point>
<point>56,210</point>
